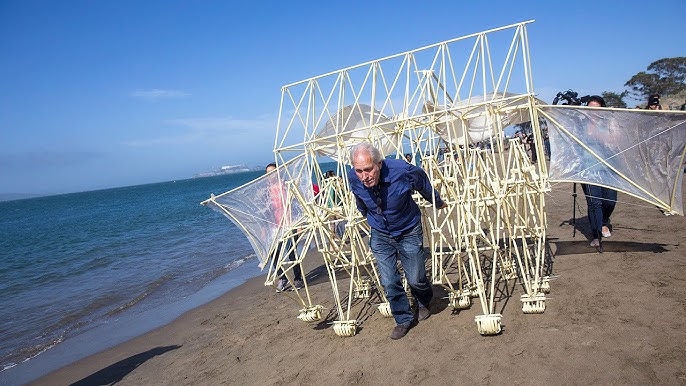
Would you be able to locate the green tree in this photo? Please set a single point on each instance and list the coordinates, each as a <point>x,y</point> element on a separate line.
<point>665,77</point>
<point>612,99</point>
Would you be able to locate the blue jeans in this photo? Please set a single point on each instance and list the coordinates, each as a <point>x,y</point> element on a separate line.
<point>601,203</point>
<point>409,248</point>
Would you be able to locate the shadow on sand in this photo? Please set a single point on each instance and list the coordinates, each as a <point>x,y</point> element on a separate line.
<point>581,246</point>
<point>117,371</point>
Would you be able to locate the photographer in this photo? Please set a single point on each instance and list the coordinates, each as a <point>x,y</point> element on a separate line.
<point>600,200</point>
<point>654,102</point>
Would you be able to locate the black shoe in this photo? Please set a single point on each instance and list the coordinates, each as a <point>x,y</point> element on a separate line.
<point>423,313</point>
<point>399,331</point>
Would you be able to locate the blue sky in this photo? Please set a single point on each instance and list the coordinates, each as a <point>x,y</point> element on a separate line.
<point>100,94</point>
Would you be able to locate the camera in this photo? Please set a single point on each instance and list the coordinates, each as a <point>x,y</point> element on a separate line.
<point>571,98</point>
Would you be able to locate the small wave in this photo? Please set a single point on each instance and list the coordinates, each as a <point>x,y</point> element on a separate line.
<point>86,317</point>
<point>209,276</point>
<point>81,317</point>
<point>148,290</point>
<point>234,264</point>
<point>55,333</point>
<point>238,262</point>
<point>28,353</point>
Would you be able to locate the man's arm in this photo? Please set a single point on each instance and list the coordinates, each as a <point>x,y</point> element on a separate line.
<point>361,206</point>
<point>421,183</point>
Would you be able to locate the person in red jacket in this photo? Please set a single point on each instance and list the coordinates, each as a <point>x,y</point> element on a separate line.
<point>277,194</point>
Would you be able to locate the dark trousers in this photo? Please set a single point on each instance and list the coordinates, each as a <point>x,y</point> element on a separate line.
<point>288,247</point>
<point>601,203</point>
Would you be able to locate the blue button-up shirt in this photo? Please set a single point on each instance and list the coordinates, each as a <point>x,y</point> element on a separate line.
<point>389,206</point>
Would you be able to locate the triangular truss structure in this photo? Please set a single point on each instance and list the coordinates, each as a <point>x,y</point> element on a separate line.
<point>446,104</point>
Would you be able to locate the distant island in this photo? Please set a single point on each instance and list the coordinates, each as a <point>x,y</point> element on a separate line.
<point>229,169</point>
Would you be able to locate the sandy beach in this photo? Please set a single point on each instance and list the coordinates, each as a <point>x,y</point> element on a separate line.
<point>613,318</point>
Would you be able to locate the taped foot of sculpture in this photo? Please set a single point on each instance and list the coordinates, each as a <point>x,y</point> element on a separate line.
<point>545,285</point>
<point>311,314</point>
<point>345,328</point>
<point>533,304</point>
<point>385,309</point>
<point>460,300</point>
<point>488,324</point>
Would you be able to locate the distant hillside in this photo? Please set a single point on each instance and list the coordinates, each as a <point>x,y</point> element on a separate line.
<point>673,102</point>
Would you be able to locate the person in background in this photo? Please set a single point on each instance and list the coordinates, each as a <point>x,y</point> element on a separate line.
<point>332,197</point>
<point>383,193</point>
<point>600,200</point>
<point>333,194</point>
<point>654,102</point>
<point>546,139</point>
<point>531,141</point>
<point>276,195</point>
<point>408,157</point>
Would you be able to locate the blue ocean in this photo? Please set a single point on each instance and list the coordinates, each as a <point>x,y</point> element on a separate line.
<point>85,271</point>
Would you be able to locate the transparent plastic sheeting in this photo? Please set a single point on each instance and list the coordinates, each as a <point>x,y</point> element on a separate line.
<point>472,120</point>
<point>354,124</point>
<point>638,152</point>
<point>267,206</point>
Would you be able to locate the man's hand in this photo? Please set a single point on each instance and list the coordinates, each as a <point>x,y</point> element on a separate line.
<point>442,206</point>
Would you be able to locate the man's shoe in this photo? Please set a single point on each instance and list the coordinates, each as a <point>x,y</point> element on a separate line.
<point>595,243</point>
<point>298,284</point>
<point>399,331</point>
<point>281,285</point>
<point>423,313</point>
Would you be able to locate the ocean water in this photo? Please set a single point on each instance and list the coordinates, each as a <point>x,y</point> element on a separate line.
<point>85,271</point>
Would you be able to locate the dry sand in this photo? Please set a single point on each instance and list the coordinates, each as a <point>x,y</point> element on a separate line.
<point>612,318</point>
